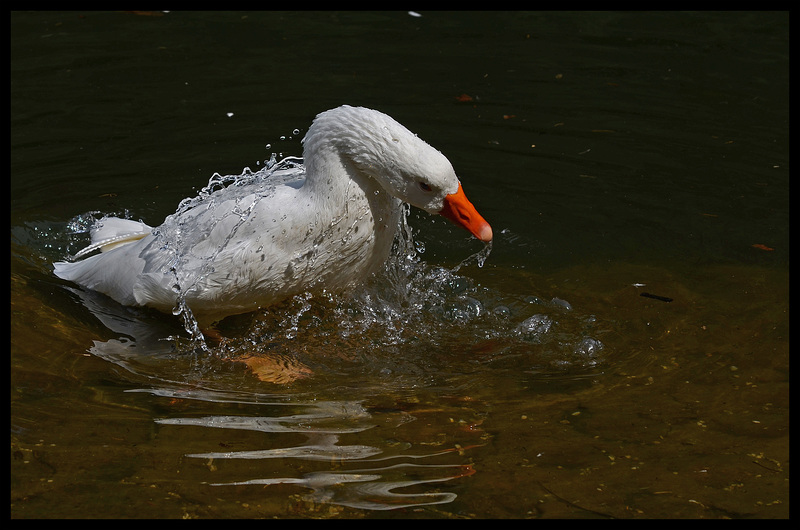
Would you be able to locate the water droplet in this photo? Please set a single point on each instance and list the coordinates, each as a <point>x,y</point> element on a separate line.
<point>502,311</point>
<point>561,303</point>
<point>589,347</point>
<point>532,328</point>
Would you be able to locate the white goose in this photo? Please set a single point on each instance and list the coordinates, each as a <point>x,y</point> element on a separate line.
<point>328,230</point>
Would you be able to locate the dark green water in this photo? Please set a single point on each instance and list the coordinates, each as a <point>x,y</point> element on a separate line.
<point>606,150</point>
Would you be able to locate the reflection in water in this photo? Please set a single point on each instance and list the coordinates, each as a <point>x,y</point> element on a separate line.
<point>370,489</point>
<point>414,326</point>
<point>371,484</point>
<point>435,329</point>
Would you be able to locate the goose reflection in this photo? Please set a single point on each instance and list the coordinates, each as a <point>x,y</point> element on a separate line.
<point>373,488</point>
<point>375,477</point>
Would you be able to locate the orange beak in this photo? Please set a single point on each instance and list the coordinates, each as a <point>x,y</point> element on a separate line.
<point>458,209</point>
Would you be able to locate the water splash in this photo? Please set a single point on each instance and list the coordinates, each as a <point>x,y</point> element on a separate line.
<point>416,312</point>
<point>414,320</point>
<point>479,258</point>
<point>243,191</point>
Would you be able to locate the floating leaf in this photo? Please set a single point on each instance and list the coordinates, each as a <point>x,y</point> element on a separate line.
<point>762,247</point>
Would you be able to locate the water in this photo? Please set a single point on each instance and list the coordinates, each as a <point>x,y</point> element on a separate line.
<point>614,154</point>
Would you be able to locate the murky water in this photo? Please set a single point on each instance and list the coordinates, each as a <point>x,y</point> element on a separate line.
<point>622,351</point>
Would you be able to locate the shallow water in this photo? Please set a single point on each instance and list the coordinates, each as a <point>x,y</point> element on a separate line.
<point>614,154</point>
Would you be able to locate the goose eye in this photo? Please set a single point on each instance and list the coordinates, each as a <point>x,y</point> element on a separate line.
<point>423,186</point>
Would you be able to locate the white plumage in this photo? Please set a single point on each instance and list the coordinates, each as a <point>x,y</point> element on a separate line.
<point>252,246</point>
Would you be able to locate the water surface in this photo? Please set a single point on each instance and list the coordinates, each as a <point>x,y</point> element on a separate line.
<point>614,154</point>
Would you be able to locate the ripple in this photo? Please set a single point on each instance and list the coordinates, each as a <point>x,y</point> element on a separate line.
<point>358,478</point>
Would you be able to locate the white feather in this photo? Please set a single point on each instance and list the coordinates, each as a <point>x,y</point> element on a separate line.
<point>248,247</point>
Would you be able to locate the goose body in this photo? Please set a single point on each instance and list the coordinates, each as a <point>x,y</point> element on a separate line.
<point>327,228</point>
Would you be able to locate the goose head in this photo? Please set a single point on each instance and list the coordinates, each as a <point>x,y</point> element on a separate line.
<point>402,164</point>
